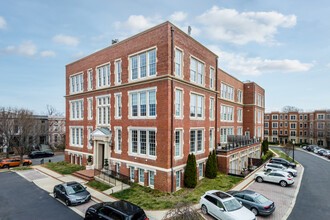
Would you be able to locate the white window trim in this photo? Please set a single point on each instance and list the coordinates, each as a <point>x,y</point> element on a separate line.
<point>203,140</point>
<point>116,72</point>
<point>213,110</point>
<point>89,109</point>
<point>181,155</point>
<point>182,103</point>
<point>97,77</point>
<point>97,111</point>
<point>116,128</point>
<point>274,123</point>
<point>182,62</point>
<point>240,121</point>
<point>227,127</point>
<point>200,177</point>
<point>203,106</point>
<point>241,101</point>
<point>212,85</point>
<point>70,130</point>
<point>147,98</point>
<point>147,62</point>
<point>227,113</point>
<point>228,85</point>
<point>76,118</point>
<point>151,186</point>
<point>70,81</point>
<point>116,95</point>
<point>180,179</point>
<point>147,155</point>
<point>89,146</point>
<point>89,83</point>
<point>204,70</point>
<point>212,141</point>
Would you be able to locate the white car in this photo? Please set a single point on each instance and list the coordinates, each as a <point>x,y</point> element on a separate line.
<point>283,178</point>
<point>224,206</point>
<point>326,153</point>
<point>272,166</point>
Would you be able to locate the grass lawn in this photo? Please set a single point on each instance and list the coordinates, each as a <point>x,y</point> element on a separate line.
<point>63,167</point>
<point>284,156</point>
<point>98,185</point>
<point>21,168</point>
<point>148,198</point>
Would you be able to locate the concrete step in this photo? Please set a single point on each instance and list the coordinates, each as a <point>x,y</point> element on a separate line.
<point>83,176</point>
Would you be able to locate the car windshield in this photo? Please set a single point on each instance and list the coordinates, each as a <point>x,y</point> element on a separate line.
<point>75,189</point>
<point>261,199</point>
<point>232,205</point>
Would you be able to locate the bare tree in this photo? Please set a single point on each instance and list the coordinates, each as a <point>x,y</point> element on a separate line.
<point>182,211</point>
<point>51,110</point>
<point>291,109</point>
<point>288,147</point>
<point>7,128</point>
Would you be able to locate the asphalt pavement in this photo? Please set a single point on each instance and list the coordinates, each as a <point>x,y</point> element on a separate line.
<point>21,199</point>
<point>313,198</point>
<point>55,158</point>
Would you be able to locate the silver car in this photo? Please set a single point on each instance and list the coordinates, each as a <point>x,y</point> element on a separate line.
<point>272,166</point>
<point>72,193</point>
<point>223,206</point>
<point>283,178</point>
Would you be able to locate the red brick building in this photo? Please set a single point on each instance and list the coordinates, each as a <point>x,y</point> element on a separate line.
<point>148,101</point>
<point>301,127</point>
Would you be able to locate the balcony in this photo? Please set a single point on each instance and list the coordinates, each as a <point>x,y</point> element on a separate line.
<point>236,142</point>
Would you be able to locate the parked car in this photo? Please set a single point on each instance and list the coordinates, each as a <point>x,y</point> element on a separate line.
<point>254,201</point>
<point>115,210</point>
<point>273,166</point>
<point>282,161</point>
<point>72,193</point>
<point>316,149</point>
<point>283,178</point>
<point>222,205</point>
<point>6,163</point>
<point>304,147</point>
<point>38,154</point>
<point>326,153</point>
<point>321,151</point>
<point>311,148</point>
<point>328,156</point>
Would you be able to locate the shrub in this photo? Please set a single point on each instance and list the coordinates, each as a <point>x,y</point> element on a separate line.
<point>264,146</point>
<point>268,155</point>
<point>209,166</point>
<point>89,159</point>
<point>190,174</point>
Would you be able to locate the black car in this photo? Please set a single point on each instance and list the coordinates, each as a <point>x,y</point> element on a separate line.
<point>254,201</point>
<point>282,161</point>
<point>72,193</point>
<point>38,154</point>
<point>122,210</point>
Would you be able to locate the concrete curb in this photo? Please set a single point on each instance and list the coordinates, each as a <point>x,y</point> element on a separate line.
<point>295,195</point>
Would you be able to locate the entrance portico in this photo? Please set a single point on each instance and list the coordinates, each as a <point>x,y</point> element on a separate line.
<point>101,138</point>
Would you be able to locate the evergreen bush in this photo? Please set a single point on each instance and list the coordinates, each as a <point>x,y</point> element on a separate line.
<point>190,174</point>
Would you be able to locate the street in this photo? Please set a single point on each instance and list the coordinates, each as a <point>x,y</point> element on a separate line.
<point>55,158</point>
<point>313,198</point>
<point>21,199</point>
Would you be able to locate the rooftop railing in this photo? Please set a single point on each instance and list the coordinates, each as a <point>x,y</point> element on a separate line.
<point>235,142</point>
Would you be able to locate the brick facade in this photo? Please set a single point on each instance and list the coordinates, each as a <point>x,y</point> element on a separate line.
<point>165,125</point>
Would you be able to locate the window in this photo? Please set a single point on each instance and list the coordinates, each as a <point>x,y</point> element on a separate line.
<point>293,133</point>
<point>90,79</point>
<point>281,117</point>
<point>275,125</point>
<point>259,116</point>
<point>275,132</point>
<point>178,179</point>
<point>118,105</point>
<point>281,132</point>
<point>196,71</point>
<point>275,117</point>
<point>200,170</point>
<point>240,96</point>
<point>301,125</point>
<point>178,103</point>
<point>239,131</point>
<point>259,100</point>
<point>118,72</point>
<point>196,140</point>
<point>286,117</point>
<point>89,137</point>
<point>151,178</point>
<point>266,132</point>
<point>103,110</point>
<point>281,124</point>
<point>77,83</point>
<point>141,176</point>
<point>292,117</point>
<point>320,117</point>
<point>320,125</point>
<point>90,108</point>
<point>143,103</point>
<point>227,92</point>
<point>143,65</point>
<point>224,132</point>
<point>178,62</point>
<point>293,125</point>
<point>286,124</point>
<point>227,113</point>
<point>286,132</point>
<point>118,139</point>
<point>77,109</point>
<point>267,117</point>
<point>211,108</point>
<point>211,139</point>
<point>103,73</point>
<point>55,138</point>
<point>266,125</point>
<point>178,143</point>
<point>131,173</point>
<point>143,142</point>
<point>239,114</point>
<point>300,117</point>
<point>211,78</point>
<point>76,136</point>
<point>196,106</point>
<point>305,117</point>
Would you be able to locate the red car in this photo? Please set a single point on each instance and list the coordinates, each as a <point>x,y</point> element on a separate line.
<point>6,163</point>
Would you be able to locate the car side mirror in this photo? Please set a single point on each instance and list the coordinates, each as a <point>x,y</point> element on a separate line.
<point>240,202</point>
<point>222,209</point>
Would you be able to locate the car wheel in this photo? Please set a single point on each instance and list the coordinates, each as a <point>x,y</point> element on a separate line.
<point>259,179</point>
<point>269,170</point>
<point>255,211</point>
<point>67,202</point>
<point>55,196</point>
<point>25,164</point>
<point>204,210</point>
<point>291,173</point>
<point>283,183</point>
<point>6,166</point>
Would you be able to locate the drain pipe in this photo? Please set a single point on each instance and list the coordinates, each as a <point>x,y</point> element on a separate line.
<point>216,104</point>
<point>172,73</point>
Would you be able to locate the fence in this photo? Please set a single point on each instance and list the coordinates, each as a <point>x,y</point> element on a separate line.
<point>254,164</point>
<point>112,177</point>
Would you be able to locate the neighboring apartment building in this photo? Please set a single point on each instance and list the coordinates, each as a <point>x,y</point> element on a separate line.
<point>147,102</point>
<point>56,132</point>
<point>301,127</point>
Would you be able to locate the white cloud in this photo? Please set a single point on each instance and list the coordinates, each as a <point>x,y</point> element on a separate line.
<point>48,53</point>
<point>243,65</point>
<point>240,28</point>
<point>3,23</point>
<point>178,16</point>
<point>137,23</point>
<point>27,48</point>
<point>77,55</point>
<point>67,40</point>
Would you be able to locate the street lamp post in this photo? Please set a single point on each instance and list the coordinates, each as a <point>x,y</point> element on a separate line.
<point>293,142</point>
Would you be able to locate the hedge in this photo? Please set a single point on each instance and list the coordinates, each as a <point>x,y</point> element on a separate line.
<point>268,155</point>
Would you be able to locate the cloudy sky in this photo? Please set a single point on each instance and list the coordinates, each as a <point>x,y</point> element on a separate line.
<point>282,45</point>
